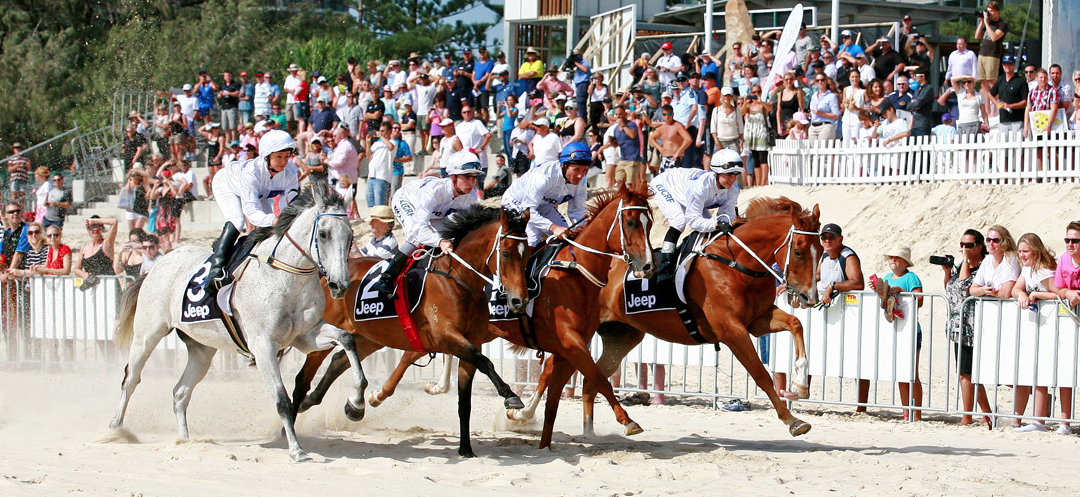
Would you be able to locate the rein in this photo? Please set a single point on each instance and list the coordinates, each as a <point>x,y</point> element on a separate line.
<point>781,279</point>
<point>495,281</point>
<point>316,262</point>
<point>570,265</point>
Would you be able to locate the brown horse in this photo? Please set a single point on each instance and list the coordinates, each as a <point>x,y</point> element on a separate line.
<point>451,313</point>
<point>728,305</point>
<point>566,313</point>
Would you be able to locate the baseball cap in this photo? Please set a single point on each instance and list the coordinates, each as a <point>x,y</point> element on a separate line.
<point>815,48</point>
<point>446,122</point>
<point>846,32</point>
<point>386,88</point>
<point>1008,59</point>
<point>832,229</point>
<point>907,17</point>
<point>946,117</point>
<point>187,86</point>
<point>541,122</point>
<point>801,117</point>
<point>885,105</point>
<point>562,96</point>
<point>666,46</point>
<point>500,55</point>
<point>666,94</point>
<point>243,73</point>
<point>203,71</point>
<point>322,98</point>
<point>727,90</point>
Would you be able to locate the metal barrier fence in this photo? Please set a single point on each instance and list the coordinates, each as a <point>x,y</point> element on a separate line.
<point>47,320</point>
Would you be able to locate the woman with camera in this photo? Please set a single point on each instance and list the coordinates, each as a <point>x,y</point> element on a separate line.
<point>959,328</point>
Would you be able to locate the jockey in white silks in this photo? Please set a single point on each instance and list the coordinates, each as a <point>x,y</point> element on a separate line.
<point>245,191</point>
<point>547,186</point>
<point>687,195</point>
<point>422,207</point>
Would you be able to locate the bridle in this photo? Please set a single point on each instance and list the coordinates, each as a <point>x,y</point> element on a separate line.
<point>317,265</point>
<point>788,240</point>
<point>495,281</point>
<point>622,234</point>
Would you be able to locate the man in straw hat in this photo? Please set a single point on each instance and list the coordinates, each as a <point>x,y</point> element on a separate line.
<point>382,244</point>
<point>531,70</point>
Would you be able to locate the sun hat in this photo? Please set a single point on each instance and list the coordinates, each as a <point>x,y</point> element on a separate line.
<point>801,118</point>
<point>294,67</point>
<point>446,122</point>
<point>903,252</point>
<point>382,213</point>
<point>543,121</point>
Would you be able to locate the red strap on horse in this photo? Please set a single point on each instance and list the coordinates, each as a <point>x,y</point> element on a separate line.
<point>401,305</point>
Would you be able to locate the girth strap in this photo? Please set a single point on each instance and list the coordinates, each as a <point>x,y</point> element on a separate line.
<point>528,333</point>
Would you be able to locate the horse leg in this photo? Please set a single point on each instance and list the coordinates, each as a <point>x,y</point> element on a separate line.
<point>469,353</point>
<point>265,352</point>
<point>617,344</point>
<point>200,357</point>
<point>742,347</point>
<point>142,345</point>
<point>338,365</point>
<point>443,385</point>
<point>466,372</point>
<point>529,411</point>
<point>560,373</point>
<point>579,357</point>
<point>302,383</point>
<point>390,386</point>
<point>779,320</point>
<point>326,336</point>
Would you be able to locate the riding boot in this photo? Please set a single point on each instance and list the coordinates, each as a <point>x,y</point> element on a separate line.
<point>223,249</point>
<point>385,286</point>
<point>665,266</point>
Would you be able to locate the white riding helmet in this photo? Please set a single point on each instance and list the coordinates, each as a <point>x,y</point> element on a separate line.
<point>464,163</point>
<point>727,161</point>
<point>275,140</point>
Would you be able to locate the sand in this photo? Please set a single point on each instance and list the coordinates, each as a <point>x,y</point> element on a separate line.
<point>53,424</point>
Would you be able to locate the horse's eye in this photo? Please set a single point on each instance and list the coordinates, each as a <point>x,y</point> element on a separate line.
<point>798,254</point>
<point>324,234</point>
<point>631,223</point>
<point>505,254</point>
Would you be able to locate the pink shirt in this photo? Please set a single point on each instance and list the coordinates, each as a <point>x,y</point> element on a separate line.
<point>1067,275</point>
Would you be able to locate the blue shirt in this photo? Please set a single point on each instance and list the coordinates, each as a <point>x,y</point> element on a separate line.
<point>582,76</point>
<point>481,69</point>
<point>205,96</point>
<point>682,107</point>
<point>711,67</point>
<point>628,147</point>
<point>827,104</point>
<point>247,90</point>
<point>402,151</point>
<point>854,50</point>
<point>22,243</point>
<point>509,114</point>
<point>324,119</point>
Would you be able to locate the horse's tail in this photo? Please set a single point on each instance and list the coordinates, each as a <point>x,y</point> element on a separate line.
<point>125,315</point>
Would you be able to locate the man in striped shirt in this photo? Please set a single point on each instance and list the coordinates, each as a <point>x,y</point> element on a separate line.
<point>18,173</point>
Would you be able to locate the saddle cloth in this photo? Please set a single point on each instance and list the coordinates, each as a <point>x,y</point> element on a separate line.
<point>536,269</point>
<point>369,305</point>
<point>205,303</point>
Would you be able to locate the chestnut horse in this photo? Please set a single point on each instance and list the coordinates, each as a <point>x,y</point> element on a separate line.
<point>727,305</point>
<point>490,245</point>
<point>566,313</point>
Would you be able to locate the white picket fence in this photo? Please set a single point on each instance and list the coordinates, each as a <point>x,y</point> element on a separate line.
<point>992,158</point>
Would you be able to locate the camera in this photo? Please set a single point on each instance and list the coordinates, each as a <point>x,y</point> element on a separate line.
<point>942,260</point>
<point>568,64</point>
<point>536,94</point>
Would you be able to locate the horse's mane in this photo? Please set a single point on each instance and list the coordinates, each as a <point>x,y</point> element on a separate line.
<point>320,191</point>
<point>461,223</point>
<point>606,197</point>
<point>768,206</point>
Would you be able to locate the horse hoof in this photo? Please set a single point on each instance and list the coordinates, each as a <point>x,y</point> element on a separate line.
<point>373,399</point>
<point>354,412</point>
<point>632,428</point>
<point>799,427</point>
<point>299,456</point>
<point>801,391</point>
<point>513,403</point>
<point>466,453</point>
<point>305,405</point>
<point>432,388</point>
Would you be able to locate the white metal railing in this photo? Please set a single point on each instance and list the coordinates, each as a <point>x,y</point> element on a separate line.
<point>995,158</point>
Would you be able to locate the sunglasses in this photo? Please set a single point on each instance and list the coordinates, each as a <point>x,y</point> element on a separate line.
<point>1028,72</point>
<point>148,247</point>
<point>828,238</point>
<point>967,245</point>
<point>1073,241</point>
<point>17,211</point>
<point>33,232</point>
<point>993,240</point>
<point>820,80</point>
<point>53,235</point>
<point>969,82</point>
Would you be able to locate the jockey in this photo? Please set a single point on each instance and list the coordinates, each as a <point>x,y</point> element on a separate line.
<point>245,191</point>
<point>548,185</point>
<point>421,207</point>
<point>686,195</point>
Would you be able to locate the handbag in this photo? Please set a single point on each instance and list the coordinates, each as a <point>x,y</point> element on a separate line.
<point>127,199</point>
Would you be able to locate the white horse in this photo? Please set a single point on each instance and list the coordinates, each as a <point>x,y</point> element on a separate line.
<point>277,302</point>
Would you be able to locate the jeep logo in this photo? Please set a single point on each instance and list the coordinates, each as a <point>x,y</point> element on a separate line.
<point>499,310</point>
<point>197,311</point>
<point>647,302</point>
<point>374,308</point>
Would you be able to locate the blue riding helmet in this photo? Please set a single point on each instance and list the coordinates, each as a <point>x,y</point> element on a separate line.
<point>576,153</point>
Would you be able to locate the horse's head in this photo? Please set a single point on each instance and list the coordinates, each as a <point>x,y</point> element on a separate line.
<point>326,227</point>
<point>628,218</point>
<point>512,253</point>
<point>800,257</point>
